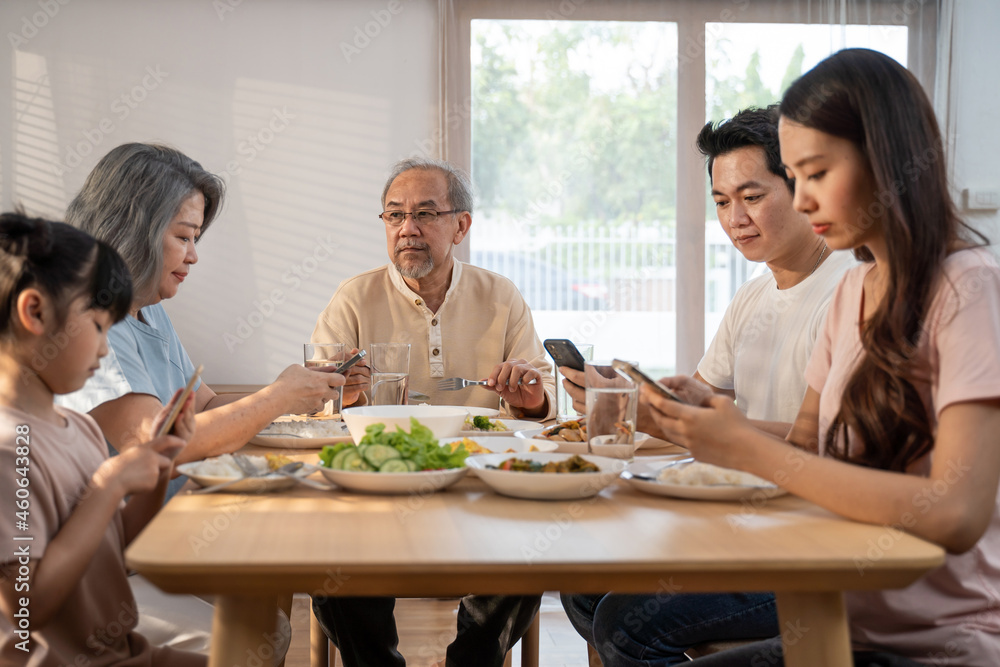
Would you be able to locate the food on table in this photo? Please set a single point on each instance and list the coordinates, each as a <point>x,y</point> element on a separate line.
<point>481,423</point>
<point>697,473</point>
<point>471,446</point>
<point>531,448</point>
<point>575,463</point>
<point>574,430</point>
<point>225,466</point>
<point>306,427</point>
<point>275,461</point>
<point>397,451</point>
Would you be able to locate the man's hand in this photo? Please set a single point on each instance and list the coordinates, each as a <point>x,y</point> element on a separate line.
<point>574,383</point>
<point>511,380</point>
<point>359,380</point>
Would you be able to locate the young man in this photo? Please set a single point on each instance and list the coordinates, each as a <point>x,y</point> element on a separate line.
<point>758,357</point>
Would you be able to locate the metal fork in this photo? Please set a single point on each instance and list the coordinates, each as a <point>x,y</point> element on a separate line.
<point>453,384</point>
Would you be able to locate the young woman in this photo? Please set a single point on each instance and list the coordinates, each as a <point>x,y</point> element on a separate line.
<point>64,591</point>
<point>899,423</point>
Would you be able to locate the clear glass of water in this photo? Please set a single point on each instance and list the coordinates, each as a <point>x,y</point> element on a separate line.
<point>390,364</point>
<point>612,404</point>
<point>322,355</point>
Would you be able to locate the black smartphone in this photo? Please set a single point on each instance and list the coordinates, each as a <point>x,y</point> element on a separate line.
<point>350,362</point>
<point>637,376</point>
<point>564,353</point>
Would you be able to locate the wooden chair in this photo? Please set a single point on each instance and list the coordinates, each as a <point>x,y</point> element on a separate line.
<point>322,653</point>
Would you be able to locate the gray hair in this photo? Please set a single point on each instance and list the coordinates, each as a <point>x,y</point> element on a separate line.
<point>131,196</point>
<point>460,190</point>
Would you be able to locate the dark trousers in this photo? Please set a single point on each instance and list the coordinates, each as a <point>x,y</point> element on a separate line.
<point>364,629</point>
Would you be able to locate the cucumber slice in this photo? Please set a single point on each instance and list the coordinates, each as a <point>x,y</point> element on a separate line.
<point>410,465</point>
<point>376,455</point>
<point>395,465</point>
<point>354,463</point>
<point>337,462</point>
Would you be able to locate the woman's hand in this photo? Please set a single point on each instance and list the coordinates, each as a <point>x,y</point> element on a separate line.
<point>711,429</point>
<point>306,390</point>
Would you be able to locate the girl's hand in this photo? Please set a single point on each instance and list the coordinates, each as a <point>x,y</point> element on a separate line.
<point>138,469</point>
<point>184,425</point>
<point>711,430</point>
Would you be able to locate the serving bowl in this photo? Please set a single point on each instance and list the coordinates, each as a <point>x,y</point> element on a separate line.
<point>545,485</point>
<point>443,421</point>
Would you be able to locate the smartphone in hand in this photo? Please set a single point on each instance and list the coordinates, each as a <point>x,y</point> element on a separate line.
<point>637,376</point>
<point>564,353</point>
<point>168,425</point>
<point>350,362</point>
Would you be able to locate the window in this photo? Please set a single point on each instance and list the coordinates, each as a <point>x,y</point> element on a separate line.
<point>578,122</point>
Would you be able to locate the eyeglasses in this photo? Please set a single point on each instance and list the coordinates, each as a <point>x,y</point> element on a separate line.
<point>421,217</point>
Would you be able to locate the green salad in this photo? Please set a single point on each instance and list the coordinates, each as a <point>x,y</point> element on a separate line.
<point>397,451</point>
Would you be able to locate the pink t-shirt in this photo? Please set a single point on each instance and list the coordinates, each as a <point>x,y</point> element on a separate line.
<point>94,626</point>
<point>951,616</point>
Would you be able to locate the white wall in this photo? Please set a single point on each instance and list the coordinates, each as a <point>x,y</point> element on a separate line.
<point>328,126</point>
<point>225,70</point>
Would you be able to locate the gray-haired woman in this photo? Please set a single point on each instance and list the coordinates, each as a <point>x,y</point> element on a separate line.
<point>152,203</point>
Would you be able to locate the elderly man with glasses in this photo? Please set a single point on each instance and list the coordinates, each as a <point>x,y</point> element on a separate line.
<point>461,321</point>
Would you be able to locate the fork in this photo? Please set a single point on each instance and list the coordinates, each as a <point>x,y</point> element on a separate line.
<point>453,384</point>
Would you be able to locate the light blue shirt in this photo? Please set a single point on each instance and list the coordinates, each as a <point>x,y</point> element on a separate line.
<point>143,358</point>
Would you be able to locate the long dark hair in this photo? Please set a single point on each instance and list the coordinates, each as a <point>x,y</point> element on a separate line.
<point>873,101</point>
<point>61,261</point>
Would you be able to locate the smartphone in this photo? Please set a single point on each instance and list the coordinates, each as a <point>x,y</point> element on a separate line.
<point>564,353</point>
<point>172,417</point>
<point>350,362</point>
<point>637,376</point>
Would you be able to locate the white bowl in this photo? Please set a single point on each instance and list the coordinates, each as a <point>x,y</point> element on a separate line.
<point>443,422</point>
<point>424,481</point>
<point>545,485</point>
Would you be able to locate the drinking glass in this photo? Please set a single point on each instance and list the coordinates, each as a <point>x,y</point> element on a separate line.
<point>612,404</point>
<point>564,404</point>
<point>390,364</point>
<point>322,355</point>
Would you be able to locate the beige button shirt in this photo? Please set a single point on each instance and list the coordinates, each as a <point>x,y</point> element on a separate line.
<point>482,322</point>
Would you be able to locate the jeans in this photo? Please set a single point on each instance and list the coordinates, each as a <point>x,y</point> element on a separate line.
<point>768,653</point>
<point>655,630</point>
<point>364,629</point>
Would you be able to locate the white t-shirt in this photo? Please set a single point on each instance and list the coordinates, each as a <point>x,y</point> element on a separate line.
<point>766,338</point>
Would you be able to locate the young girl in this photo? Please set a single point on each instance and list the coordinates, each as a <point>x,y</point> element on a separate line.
<point>899,424</point>
<point>63,589</point>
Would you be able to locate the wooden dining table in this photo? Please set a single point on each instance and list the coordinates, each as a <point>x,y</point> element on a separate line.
<point>249,550</point>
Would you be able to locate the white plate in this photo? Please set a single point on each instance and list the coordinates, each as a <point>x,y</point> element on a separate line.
<point>641,440</point>
<point>251,485</point>
<point>689,491</point>
<point>304,442</point>
<point>513,425</point>
<point>545,485</point>
<point>425,481</point>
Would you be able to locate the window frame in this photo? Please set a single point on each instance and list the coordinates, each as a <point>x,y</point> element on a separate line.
<point>454,131</point>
